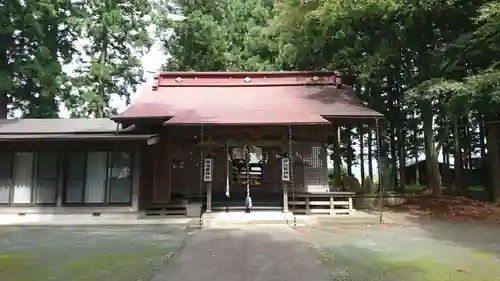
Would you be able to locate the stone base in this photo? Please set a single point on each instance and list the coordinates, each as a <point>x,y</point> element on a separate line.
<point>193,210</point>
<point>371,201</point>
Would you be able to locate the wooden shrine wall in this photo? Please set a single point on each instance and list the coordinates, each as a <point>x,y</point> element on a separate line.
<point>177,158</point>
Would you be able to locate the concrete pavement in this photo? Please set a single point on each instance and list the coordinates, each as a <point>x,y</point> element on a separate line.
<point>251,253</point>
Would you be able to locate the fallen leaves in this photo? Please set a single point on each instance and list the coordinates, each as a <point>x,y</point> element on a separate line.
<point>454,208</point>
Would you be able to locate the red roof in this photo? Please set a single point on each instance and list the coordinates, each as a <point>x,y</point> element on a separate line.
<point>247,98</point>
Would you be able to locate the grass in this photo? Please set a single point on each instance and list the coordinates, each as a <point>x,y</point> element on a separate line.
<point>388,268</point>
<point>134,265</point>
<point>417,189</point>
<point>122,258</point>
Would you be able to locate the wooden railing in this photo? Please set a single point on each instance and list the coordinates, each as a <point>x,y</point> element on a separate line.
<point>333,203</point>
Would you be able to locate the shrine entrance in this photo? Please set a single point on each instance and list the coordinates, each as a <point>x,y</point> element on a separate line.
<point>249,172</point>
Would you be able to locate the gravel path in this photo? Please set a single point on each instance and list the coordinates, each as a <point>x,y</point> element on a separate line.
<point>256,253</point>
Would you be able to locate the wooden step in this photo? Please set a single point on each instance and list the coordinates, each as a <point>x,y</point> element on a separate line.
<point>166,209</point>
<point>264,206</point>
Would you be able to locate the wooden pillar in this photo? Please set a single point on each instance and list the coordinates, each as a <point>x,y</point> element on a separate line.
<point>60,177</point>
<point>285,197</point>
<point>332,206</point>
<point>209,197</point>
<point>136,176</point>
<point>336,157</point>
<point>161,186</point>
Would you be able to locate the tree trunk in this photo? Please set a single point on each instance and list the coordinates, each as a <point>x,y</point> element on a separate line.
<point>370,152</point>
<point>384,165</point>
<point>463,183</point>
<point>457,155</point>
<point>482,143</point>
<point>494,160</point>
<point>416,144</point>
<point>103,59</point>
<point>433,176</point>
<point>443,144</point>
<point>470,159</point>
<point>394,159</point>
<point>417,170</point>
<point>4,66</point>
<point>349,151</point>
<point>336,157</point>
<point>446,169</point>
<point>362,153</point>
<point>402,158</point>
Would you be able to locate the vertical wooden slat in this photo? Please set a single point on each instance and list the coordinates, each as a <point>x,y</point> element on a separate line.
<point>336,155</point>
<point>146,176</point>
<point>161,189</point>
<point>136,176</point>
<point>169,152</point>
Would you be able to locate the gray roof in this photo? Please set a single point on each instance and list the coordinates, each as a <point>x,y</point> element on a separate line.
<point>56,126</point>
<point>69,137</point>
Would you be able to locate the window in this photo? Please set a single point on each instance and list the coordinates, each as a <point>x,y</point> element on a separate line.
<point>75,177</point>
<point>97,177</point>
<point>314,160</point>
<point>46,178</point>
<point>28,177</point>
<point>23,177</point>
<point>120,182</point>
<point>5,176</point>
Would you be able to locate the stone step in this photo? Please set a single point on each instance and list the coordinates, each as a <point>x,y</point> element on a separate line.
<point>259,206</point>
<point>254,218</point>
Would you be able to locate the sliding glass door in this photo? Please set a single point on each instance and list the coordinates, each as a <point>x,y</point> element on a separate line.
<point>88,177</point>
<point>23,177</point>
<point>120,177</point>
<point>98,177</point>
<point>46,178</point>
<point>75,177</point>
<point>95,181</point>
<point>5,176</point>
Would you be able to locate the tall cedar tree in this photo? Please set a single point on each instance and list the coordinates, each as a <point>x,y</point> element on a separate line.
<point>35,41</point>
<point>114,35</point>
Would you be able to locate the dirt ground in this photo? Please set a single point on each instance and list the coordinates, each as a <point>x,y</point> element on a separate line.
<point>407,248</point>
<point>410,249</point>
<point>450,208</point>
<point>87,253</point>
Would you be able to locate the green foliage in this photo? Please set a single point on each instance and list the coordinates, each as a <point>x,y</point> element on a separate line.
<point>332,176</point>
<point>35,41</point>
<point>220,36</point>
<point>115,36</point>
<point>368,185</point>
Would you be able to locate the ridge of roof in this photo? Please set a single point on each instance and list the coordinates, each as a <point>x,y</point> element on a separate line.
<point>246,79</point>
